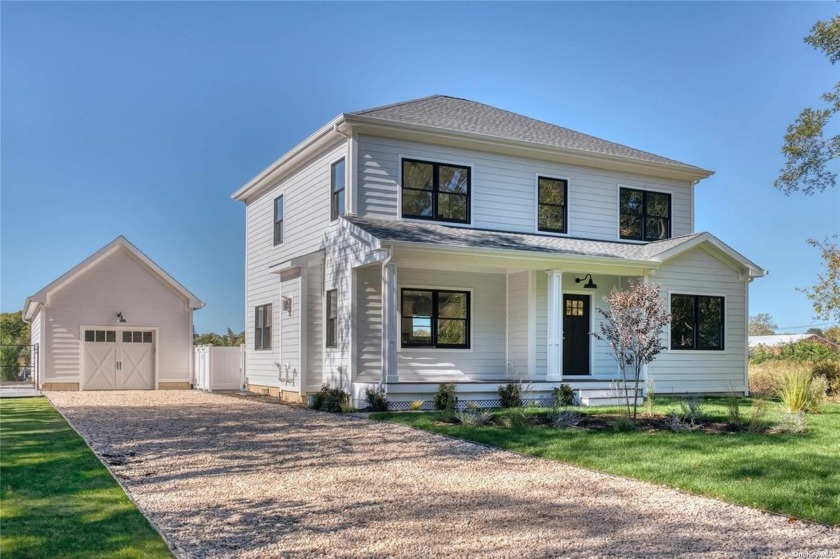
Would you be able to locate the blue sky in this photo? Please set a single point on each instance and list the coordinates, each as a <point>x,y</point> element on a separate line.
<point>142,118</point>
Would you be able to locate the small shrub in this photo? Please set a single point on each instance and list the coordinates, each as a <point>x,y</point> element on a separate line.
<point>474,417</point>
<point>376,399</point>
<point>830,370</point>
<point>792,422</point>
<point>757,422</point>
<point>445,396</point>
<point>733,407</point>
<point>564,396</point>
<point>510,395</point>
<point>329,399</point>
<point>347,407</point>
<point>624,425</point>
<point>416,405</point>
<point>650,397</point>
<point>692,410</point>
<point>674,422</point>
<point>763,378</point>
<point>817,394</point>
<point>564,419</point>
<point>794,388</point>
<point>517,419</point>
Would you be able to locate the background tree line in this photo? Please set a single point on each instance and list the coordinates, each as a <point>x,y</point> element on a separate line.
<point>228,339</point>
<point>14,345</point>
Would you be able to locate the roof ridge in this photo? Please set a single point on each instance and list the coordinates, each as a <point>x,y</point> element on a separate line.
<point>400,103</point>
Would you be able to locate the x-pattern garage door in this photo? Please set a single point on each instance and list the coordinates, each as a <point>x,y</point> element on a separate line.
<point>118,360</point>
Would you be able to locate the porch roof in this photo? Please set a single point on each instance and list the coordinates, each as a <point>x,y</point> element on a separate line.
<point>414,233</point>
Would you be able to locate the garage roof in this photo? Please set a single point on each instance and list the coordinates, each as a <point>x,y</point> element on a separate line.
<point>34,302</point>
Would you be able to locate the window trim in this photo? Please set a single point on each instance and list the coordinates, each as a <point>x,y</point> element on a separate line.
<point>537,205</point>
<point>259,333</point>
<point>281,222</point>
<point>468,348</point>
<point>670,195</point>
<point>334,215</point>
<point>327,331</point>
<point>435,191</point>
<point>723,347</point>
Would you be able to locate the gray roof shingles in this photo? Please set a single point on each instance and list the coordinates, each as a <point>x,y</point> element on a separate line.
<point>461,237</point>
<point>462,115</point>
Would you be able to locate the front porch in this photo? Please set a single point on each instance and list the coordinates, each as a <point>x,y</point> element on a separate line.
<point>484,394</point>
<point>423,317</point>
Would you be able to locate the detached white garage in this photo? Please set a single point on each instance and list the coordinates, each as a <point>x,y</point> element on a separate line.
<point>116,321</point>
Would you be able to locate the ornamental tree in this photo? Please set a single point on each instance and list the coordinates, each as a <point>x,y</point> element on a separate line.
<point>632,326</point>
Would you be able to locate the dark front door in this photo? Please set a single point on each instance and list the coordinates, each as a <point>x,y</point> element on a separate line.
<point>576,334</point>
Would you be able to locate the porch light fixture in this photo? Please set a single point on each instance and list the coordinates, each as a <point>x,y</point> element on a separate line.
<point>120,317</point>
<point>590,284</point>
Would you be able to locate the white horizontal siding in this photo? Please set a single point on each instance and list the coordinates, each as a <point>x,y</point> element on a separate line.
<point>369,324</point>
<point>118,283</point>
<point>504,188</point>
<point>290,332</point>
<point>314,373</point>
<point>35,339</point>
<point>700,273</point>
<point>306,219</point>
<point>486,357</point>
<point>343,253</point>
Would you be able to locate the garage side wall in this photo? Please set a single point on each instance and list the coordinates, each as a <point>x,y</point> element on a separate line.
<point>117,284</point>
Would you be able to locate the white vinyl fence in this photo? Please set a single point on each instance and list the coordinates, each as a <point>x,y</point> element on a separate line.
<point>218,368</point>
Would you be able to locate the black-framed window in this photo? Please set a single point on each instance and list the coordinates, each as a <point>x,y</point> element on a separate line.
<point>435,318</point>
<point>262,327</point>
<point>337,178</point>
<point>278,220</point>
<point>551,204</point>
<point>697,322</point>
<point>332,318</point>
<point>435,191</point>
<point>644,215</point>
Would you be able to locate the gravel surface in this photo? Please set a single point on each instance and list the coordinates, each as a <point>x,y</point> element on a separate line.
<point>226,477</point>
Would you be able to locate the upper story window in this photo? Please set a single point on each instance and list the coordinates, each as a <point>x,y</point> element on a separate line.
<point>337,190</point>
<point>435,318</point>
<point>644,215</point>
<point>697,322</point>
<point>262,327</point>
<point>278,220</point>
<point>435,191</point>
<point>551,200</point>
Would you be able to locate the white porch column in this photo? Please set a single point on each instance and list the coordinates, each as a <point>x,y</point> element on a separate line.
<point>389,323</point>
<point>554,370</point>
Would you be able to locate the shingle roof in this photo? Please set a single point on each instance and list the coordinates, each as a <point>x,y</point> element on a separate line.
<point>461,237</point>
<point>462,115</point>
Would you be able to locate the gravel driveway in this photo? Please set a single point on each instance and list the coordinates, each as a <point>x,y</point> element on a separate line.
<point>225,477</point>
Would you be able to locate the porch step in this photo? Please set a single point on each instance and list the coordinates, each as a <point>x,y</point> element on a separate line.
<point>606,397</point>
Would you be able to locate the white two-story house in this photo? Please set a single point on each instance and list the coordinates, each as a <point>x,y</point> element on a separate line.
<point>444,240</point>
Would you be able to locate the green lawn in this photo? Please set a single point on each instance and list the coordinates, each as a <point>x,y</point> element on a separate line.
<point>796,475</point>
<point>57,499</point>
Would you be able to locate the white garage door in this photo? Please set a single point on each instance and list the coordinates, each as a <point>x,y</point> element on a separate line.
<point>119,360</point>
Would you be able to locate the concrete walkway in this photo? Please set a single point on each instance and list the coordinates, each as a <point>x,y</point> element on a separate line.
<point>18,390</point>
<point>225,477</point>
